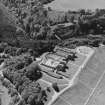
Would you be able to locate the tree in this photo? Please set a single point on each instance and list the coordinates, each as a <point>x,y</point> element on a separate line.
<point>71,57</point>
<point>9,75</point>
<point>55,87</point>
<point>17,81</point>
<point>97,10</point>
<point>96,43</point>
<point>33,94</point>
<point>89,12</point>
<point>16,99</point>
<point>0,101</point>
<point>49,9</point>
<point>72,19</point>
<point>3,46</point>
<point>19,65</point>
<point>33,72</point>
<point>1,60</point>
<point>10,50</point>
<point>20,51</point>
<point>27,60</point>
<point>22,102</point>
<point>60,68</point>
<point>31,100</point>
<point>12,92</point>
<point>82,11</point>
<point>23,84</point>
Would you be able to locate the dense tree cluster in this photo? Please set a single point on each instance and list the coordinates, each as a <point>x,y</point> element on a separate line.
<point>7,52</point>
<point>33,24</point>
<point>28,13</point>
<point>10,50</point>
<point>89,40</point>
<point>28,87</point>
<point>21,75</point>
<point>30,26</point>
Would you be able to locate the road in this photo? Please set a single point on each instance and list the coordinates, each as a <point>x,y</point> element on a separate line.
<point>90,88</point>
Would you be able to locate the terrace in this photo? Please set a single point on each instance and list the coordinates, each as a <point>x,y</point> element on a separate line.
<point>57,58</point>
<point>63,61</point>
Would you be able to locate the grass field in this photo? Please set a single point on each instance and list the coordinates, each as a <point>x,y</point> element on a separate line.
<point>98,97</point>
<point>90,88</point>
<point>72,69</point>
<point>77,94</point>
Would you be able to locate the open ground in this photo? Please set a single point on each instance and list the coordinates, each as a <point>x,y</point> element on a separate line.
<point>90,88</point>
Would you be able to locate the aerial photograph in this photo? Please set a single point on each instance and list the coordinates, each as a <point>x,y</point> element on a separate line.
<point>52,52</point>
